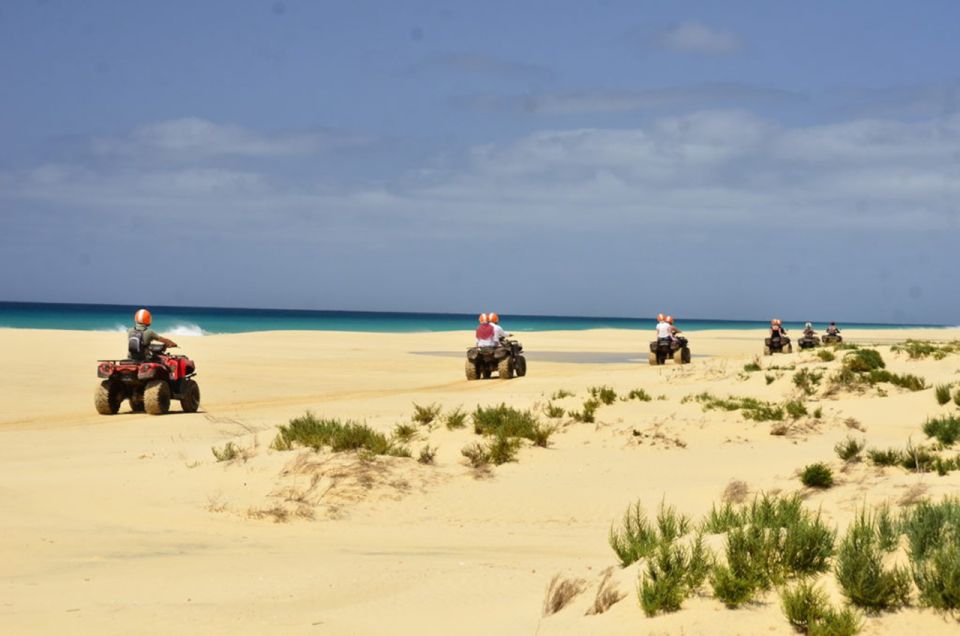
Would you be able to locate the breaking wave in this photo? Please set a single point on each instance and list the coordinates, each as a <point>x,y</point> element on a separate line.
<point>186,329</point>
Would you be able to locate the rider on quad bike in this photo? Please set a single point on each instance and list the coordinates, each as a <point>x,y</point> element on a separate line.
<point>141,335</point>
<point>148,377</point>
<point>809,338</point>
<point>778,342</point>
<point>833,335</point>
<point>494,352</point>
<point>668,344</point>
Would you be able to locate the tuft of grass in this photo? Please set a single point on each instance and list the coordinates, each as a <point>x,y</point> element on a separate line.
<point>506,421</point>
<point>795,409</point>
<point>918,459</point>
<point>607,595</point>
<point>425,414</point>
<point>769,378</point>
<point>861,573</point>
<point>863,360</point>
<point>942,393</point>
<point>803,605</point>
<point>849,449</point>
<point>229,452</point>
<point>777,540</point>
<point>639,394</point>
<point>562,393</point>
<point>750,408</point>
<point>673,573</point>
<point>929,525</point>
<point>604,394</point>
<point>502,449</point>
<point>560,592</point>
<point>817,413</point>
<point>635,538</point>
<point>956,397</point>
<point>427,454</point>
<point>916,349</point>
<point>309,430</point>
<point>405,432</point>
<point>938,575</point>
<point>720,520</point>
<point>455,419</point>
<point>807,380</point>
<point>888,457</point>
<point>946,429</point>
<point>588,412</point>
<point>844,622</point>
<point>553,411</point>
<point>826,355</point>
<point>817,475</point>
<point>476,455</point>
<point>906,381</point>
<point>752,367</point>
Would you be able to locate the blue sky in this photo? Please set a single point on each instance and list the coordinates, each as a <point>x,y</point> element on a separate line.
<point>724,160</point>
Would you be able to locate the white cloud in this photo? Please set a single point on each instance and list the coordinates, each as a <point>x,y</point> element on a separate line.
<point>714,169</point>
<point>694,37</point>
<point>192,137</point>
<point>699,97</point>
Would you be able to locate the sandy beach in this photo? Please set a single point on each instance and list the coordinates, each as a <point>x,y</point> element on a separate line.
<point>129,524</point>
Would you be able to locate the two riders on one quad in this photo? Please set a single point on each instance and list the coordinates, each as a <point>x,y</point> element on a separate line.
<point>149,377</point>
<point>669,344</point>
<point>494,352</point>
<point>778,341</point>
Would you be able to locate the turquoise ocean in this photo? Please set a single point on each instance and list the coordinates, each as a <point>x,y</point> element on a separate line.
<point>210,320</point>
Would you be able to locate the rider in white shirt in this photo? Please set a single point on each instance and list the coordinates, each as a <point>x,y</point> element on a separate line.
<point>664,328</point>
<point>498,331</point>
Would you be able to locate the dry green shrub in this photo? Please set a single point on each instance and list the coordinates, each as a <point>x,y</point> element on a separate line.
<point>607,595</point>
<point>428,454</point>
<point>455,419</point>
<point>817,475</point>
<point>849,449</point>
<point>604,394</point>
<point>860,570</point>
<point>425,414</point>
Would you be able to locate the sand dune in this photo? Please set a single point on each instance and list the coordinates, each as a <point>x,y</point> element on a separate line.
<point>129,524</point>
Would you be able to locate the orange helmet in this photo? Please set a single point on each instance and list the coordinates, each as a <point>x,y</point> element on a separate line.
<point>773,323</point>
<point>143,317</point>
<point>660,318</point>
<point>494,318</point>
<point>482,318</point>
<point>670,319</point>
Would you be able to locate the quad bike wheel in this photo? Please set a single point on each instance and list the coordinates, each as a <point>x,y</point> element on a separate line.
<point>505,369</point>
<point>684,354</point>
<point>766,351</point>
<point>156,397</point>
<point>652,359</point>
<point>787,349</point>
<point>190,396</point>
<point>136,401</point>
<point>107,398</point>
<point>471,370</point>
<point>520,366</point>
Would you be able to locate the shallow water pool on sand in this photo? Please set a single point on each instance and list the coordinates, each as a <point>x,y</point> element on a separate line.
<point>574,357</point>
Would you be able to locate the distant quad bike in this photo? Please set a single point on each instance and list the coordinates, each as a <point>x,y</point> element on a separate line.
<point>662,349</point>
<point>149,384</point>
<point>831,339</point>
<point>808,342</point>
<point>777,344</point>
<point>506,359</point>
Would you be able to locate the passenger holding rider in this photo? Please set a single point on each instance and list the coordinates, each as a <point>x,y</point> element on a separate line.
<point>673,330</point>
<point>833,330</point>
<point>808,330</point>
<point>140,336</point>
<point>776,328</point>
<point>486,334</point>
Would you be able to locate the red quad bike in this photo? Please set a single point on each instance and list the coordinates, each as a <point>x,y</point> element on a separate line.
<point>149,384</point>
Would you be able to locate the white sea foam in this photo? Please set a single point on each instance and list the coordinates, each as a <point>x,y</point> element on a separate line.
<point>186,329</point>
